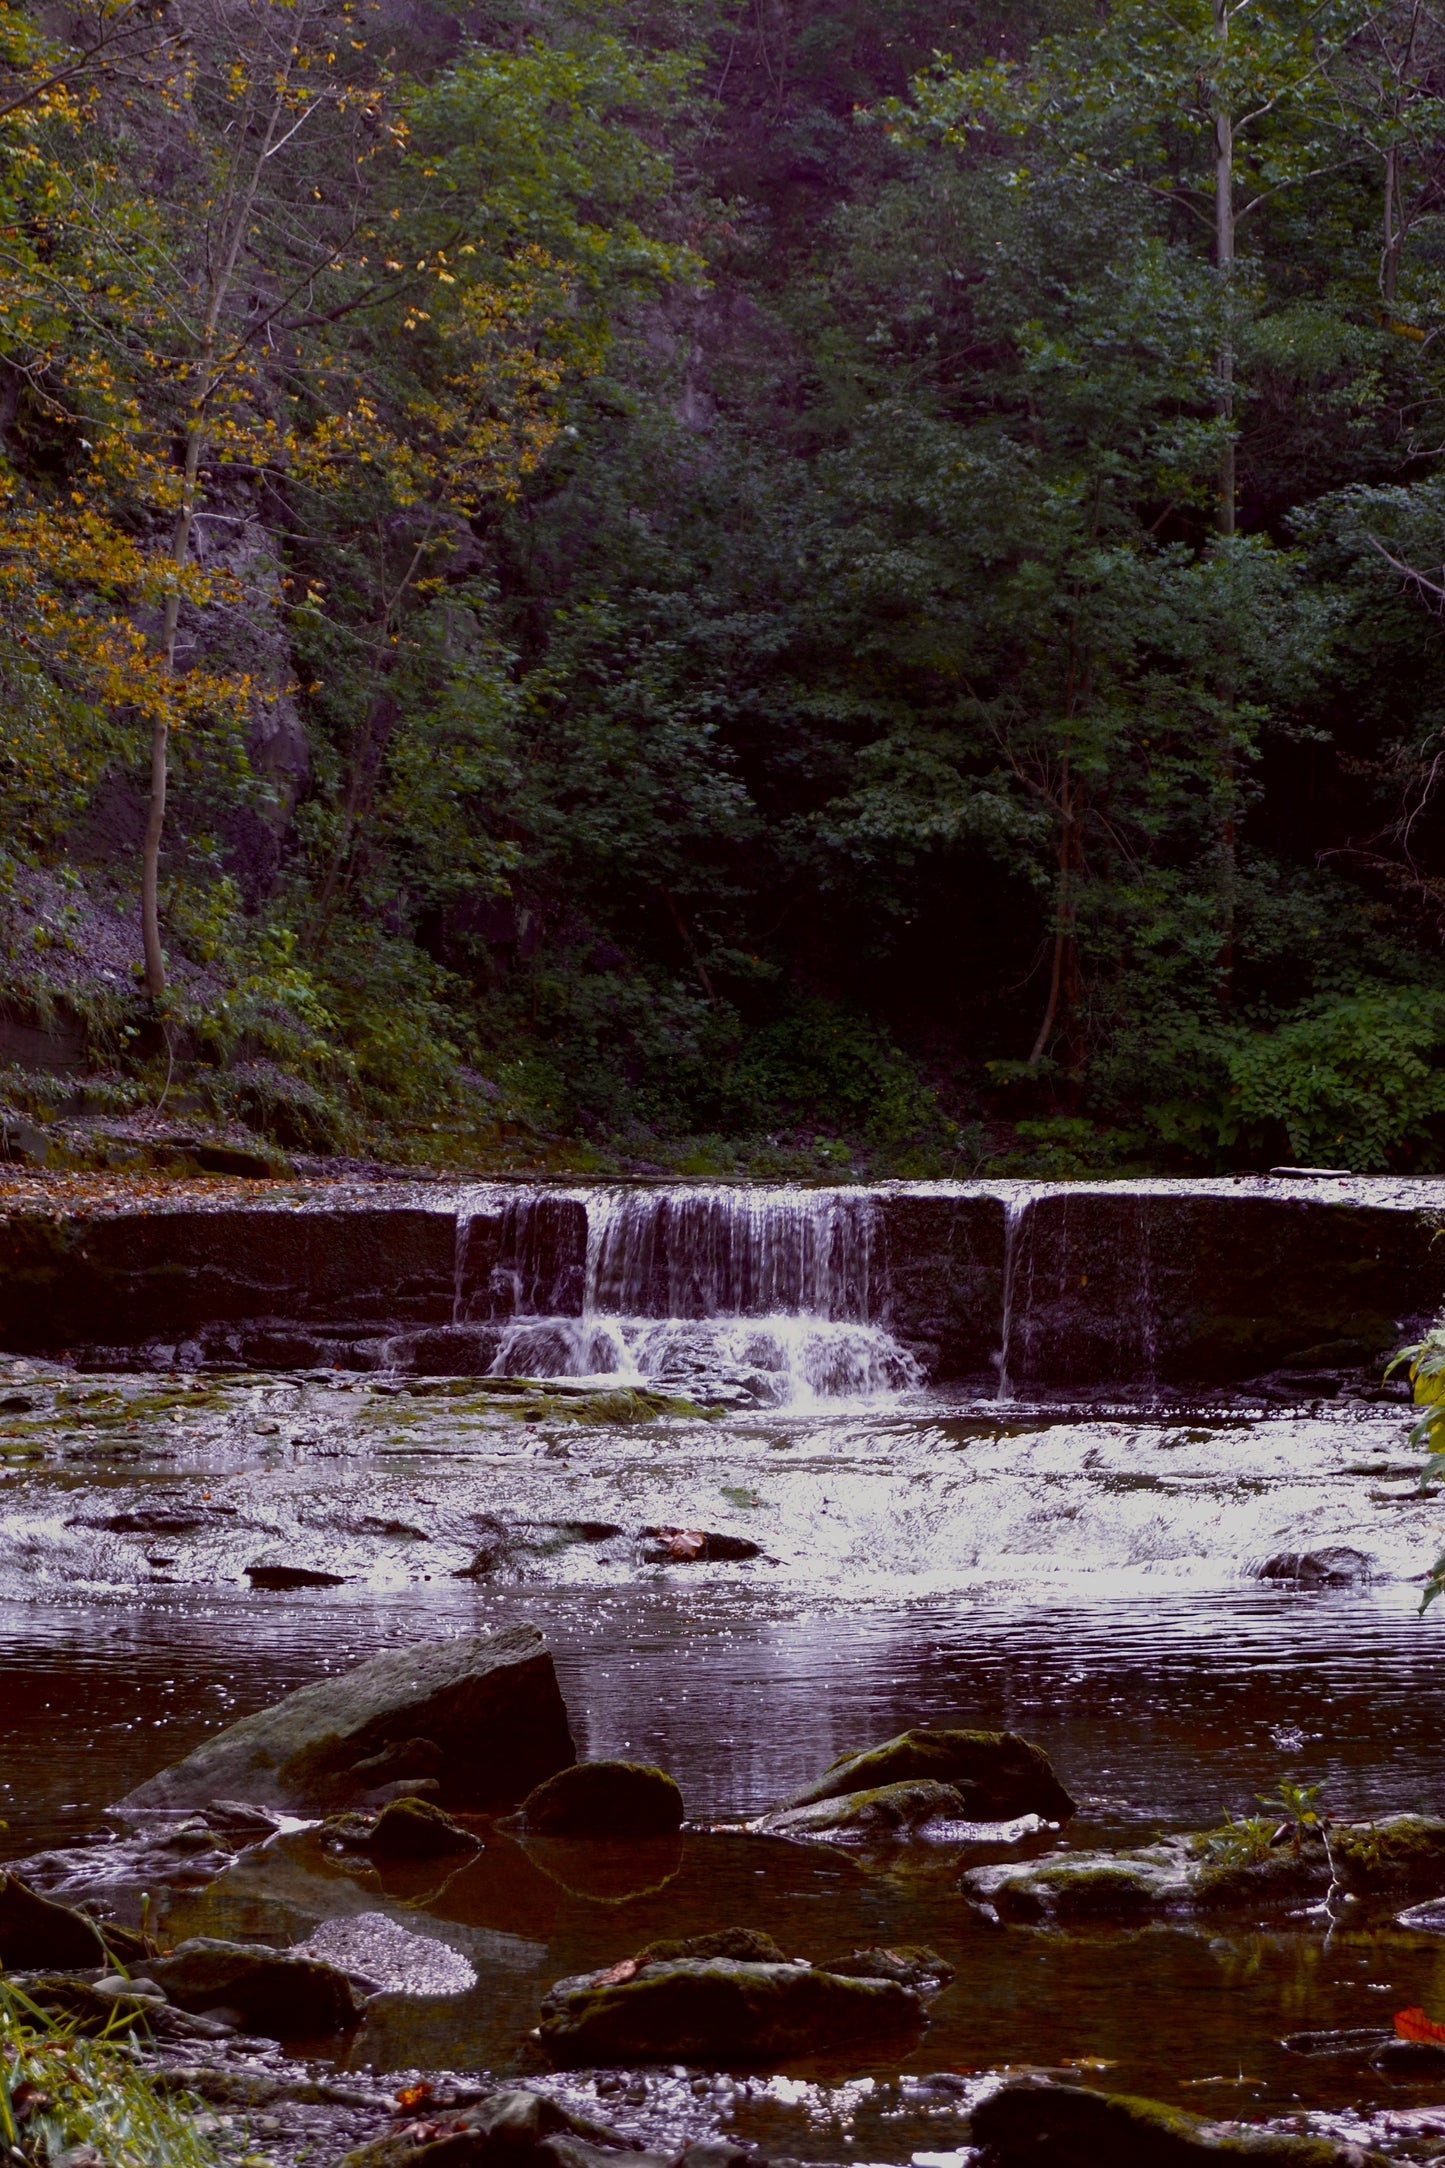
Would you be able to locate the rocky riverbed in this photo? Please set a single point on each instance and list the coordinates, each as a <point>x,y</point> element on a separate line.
<point>1180,1603</point>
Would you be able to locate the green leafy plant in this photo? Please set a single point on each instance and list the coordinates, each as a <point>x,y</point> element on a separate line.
<point>1238,1843</point>
<point>1298,1806</point>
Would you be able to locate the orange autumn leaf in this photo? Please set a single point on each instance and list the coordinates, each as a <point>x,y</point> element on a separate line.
<point>1414,2025</point>
<point>413,2096</point>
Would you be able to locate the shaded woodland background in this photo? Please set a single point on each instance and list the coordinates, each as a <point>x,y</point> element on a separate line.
<point>687,560</point>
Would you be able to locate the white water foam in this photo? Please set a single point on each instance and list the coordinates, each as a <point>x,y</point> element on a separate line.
<point>769,1297</point>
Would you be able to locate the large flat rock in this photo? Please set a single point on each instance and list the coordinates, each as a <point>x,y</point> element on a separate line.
<point>482,1716</point>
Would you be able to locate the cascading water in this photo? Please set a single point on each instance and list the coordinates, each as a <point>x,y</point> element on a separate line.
<point>768,1296</point>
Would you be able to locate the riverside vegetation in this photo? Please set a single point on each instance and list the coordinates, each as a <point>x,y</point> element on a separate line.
<point>667,584</point>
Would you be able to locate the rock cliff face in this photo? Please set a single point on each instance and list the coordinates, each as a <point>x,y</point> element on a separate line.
<point>1110,1284</point>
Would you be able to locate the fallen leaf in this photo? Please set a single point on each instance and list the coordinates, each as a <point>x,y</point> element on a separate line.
<point>412,2096</point>
<point>1414,2025</point>
<point>625,1969</point>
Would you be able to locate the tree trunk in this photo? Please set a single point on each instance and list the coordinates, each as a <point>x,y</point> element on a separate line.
<point>1224,261</point>
<point>201,387</point>
<point>1063,974</point>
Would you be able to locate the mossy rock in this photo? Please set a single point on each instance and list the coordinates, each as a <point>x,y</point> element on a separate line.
<point>748,1944</point>
<point>1401,1856</point>
<point>605,1799</point>
<point>888,1814</point>
<point>1179,1874</point>
<point>911,1964</point>
<point>277,1995</point>
<point>998,1775</point>
<point>37,1934</point>
<point>1083,1885</point>
<point>415,1829</point>
<point>718,2010</point>
<point>1066,2126</point>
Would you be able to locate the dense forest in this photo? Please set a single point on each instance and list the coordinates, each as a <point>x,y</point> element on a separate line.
<point>773,585</point>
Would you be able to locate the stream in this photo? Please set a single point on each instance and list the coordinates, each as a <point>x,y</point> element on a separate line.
<point>1115,1576</point>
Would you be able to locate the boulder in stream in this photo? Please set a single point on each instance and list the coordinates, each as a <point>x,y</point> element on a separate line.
<point>1179,1874</point>
<point>488,1709</point>
<point>888,1814</point>
<point>1213,1870</point>
<point>272,1992</point>
<point>604,1799</point>
<point>415,1829</point>
<point>1400,1855</point>
<point>718,2010</point>
<point>1034,2122</point>
<point>997,1775</point>
<point>38,1934</point>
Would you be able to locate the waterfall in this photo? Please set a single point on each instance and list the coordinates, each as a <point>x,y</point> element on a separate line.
<point>1015,1212</point>
<point>750,1294</point>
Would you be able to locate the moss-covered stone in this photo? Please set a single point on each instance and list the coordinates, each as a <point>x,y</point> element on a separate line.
<point>718,2010</point>
<point>998,1775</point>
<point>1083,1886</point>
<point>1038,2125</point>
<point>748,1944</point>
<point>605,1799</point>
<point>911,1964</point>
<point>1403,1855</point>
<point>38,1934</point>
<point>415,1829</point>
<point>888,1814</point>
<point>277,1994</point>
<point>1177,1874</point>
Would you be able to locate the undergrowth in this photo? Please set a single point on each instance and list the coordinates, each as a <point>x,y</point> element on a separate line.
<point>64,2094</point>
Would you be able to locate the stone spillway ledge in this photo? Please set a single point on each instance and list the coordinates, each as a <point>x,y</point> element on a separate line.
<point>1050,1285</point>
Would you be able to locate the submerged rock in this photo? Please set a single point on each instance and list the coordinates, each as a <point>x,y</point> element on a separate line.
<point>605,1799</point>
<point>1065,2126</point>
<point>273,1992</point>
<point>911,1964</point>
<point>889,1814</point>
<point>696,1546</point>
<point>997,1775</point>
<point>718,2009</point>
<point>490,1706</point>
<point>38,1934</point>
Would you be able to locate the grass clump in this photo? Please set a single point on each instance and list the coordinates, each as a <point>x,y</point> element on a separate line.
<point>64,2094</point>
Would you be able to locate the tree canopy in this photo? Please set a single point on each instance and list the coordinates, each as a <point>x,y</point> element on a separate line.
<point>851,583</point>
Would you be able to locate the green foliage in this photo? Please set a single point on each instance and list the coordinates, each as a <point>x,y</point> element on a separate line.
<point>1240,1843</point>
<point>1299,1806</point>
<point>736,531</point>
<point>1426,1359</point>
<point>58,2092</point>
<point>1357,1083</point>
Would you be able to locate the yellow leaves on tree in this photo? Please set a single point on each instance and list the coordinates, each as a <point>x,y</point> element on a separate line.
<point>80,682</point>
